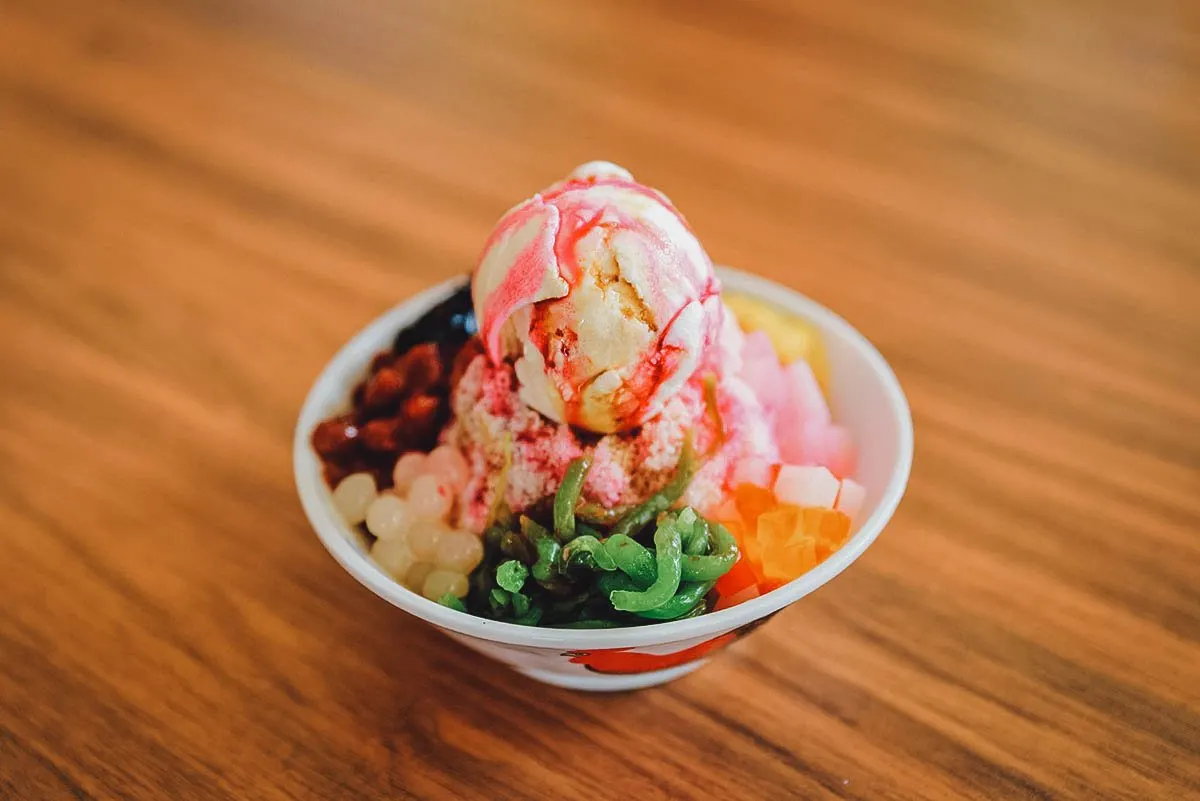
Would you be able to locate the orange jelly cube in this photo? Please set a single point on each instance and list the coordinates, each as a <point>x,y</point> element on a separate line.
<point>832,532</point>
<point>793,540</point>
<point>747,544</point>
<point>779,542</point>
<point>806,554</point>
<point>789,560</point>
<point>835,526</point>
<point>779,525</point>
<point>749,561</point>
<point>812,521</point>
<point>777,536</point>
<point>751,501</point>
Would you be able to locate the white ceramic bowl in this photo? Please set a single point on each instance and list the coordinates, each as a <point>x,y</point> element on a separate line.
<point>865,397</point>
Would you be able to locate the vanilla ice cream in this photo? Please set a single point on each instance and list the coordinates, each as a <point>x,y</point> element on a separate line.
<point>602,294</point>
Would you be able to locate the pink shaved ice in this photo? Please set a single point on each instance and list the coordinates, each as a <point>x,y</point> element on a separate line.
<point>626,468</point>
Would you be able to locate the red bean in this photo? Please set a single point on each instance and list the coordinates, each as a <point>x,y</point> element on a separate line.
<point>419,418</point>
<point>384,390</point>
<point>398,408</point>
<point>383,436</point>
<point>422,367</point>
<point>385,358</point>
<point>336,437</point>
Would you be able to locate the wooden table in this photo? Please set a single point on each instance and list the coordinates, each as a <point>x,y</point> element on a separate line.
<point>200,201</point>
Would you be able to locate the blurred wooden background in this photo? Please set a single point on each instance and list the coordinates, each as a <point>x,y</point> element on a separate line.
<point>200,201</point>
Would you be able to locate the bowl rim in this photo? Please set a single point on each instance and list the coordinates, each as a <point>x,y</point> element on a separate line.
<point>353,357</point>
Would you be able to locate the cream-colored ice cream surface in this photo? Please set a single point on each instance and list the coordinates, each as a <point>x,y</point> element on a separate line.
<point>599,169</point>
<point>602,295</point>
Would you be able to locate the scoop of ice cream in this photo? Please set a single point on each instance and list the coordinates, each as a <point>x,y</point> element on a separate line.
<point>602,293</point>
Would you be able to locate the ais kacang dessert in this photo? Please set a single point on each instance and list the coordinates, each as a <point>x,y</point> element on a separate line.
<point>591,434</point>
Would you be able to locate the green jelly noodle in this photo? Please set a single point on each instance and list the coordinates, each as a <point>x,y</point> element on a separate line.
<point>569,563</point>
<point>567,498</point>
<point>511,575</point>
<point>669,560</point>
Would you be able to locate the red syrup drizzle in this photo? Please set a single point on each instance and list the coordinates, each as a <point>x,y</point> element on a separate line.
<point>524,278</point>
<point>574,184</point>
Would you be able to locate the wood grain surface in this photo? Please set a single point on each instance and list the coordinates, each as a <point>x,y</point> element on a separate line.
<point>200,201</point>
